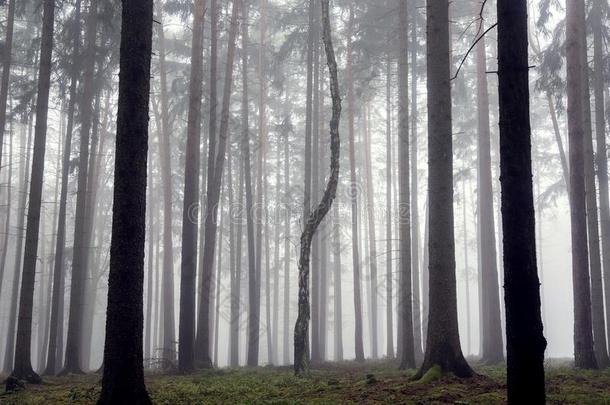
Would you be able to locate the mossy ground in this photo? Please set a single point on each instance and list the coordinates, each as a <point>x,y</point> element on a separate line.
<point>329,384</point>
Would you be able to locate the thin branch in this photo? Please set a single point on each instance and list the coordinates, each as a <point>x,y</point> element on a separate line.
<point>470,50</point>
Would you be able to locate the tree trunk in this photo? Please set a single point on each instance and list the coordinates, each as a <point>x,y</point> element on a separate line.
<point>443,343</point>
<point>353,191</point>
<point>338,301</point>
<point>601,157</point>
<point>524,338</point>
<point>492,346</point>
<point>168,315</point>
<point>151,264</point>
<point>583,337</point>
<point>6,70</point>
<point>123,379</point>
<point>301,335</point>
<point>9,198</point>
<point>213,197</point>
<point>73,362</point>
<point>186,349</point>
<point>389,239</point>
<point>405,306</point>
<point>287,199</point>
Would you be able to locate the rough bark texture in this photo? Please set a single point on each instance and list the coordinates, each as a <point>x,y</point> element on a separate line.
<point>6,70</point>
<point>123,380</point>
<point>301,335</point>
<point>186,346</point>
<point>584,354</point>
<point>23,364</point>
<point>443,342</point>
<point>525,342</point>
<point>492,346</point>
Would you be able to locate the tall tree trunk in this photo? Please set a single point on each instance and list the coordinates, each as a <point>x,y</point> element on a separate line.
<point>213,197</point>
<point>389,238</point>
<point>443,342</point>
<point>601,157</point>
<point>493,350</point>
<point>123,379</point>
<point>301,335</point>
<point>168,315</point>
<point>151,264</point>
<point>23,364</point>
<point>287,199</point>
<point>6,70</point>
<point>186,349</point>
<point>583,336</point>
<point>338,301</point>
<point>353,191</point>
<point>73,362</point>
<point>405,306</point>
<point>9,354</point>
<point>524,336</point>
<point>9,199</point>
<point>276,258</point>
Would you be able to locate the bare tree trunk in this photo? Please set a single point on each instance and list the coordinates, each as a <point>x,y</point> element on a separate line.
<point>405,297</point>
<point>276,259</point>
<point>186,347</point>
<point>353,192</point>
<point>73,363</point>
<point>214,184</point>
<point>6,70</point>
<point>443,343</point>
<point>525,341</point>
<point>338,301</point>
<point>583,336</point>
<point>301,335</point>
<point>493,350</point>
<point>150,258</point>
<point>167,300</point>
<point>23,364</point>
<point>9,198</point>
<point>123,379</point>
<point>287,199</point>
<point>389,216</point>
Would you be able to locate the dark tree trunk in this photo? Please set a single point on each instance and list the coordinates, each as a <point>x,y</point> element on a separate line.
<point>389,239</point>
<point>338,301</point>
<point>491,328</point>
<point>123,380</point>
<point>23,364</point>
<point>353,191</point>
<point>405,306</point>
<point>186,347</point>
<point>525,342</point>
<point>213,198</point>
<point>301,335</point>
<point>73,363</point>
<point>6,70</point>
<point>583,336</point>
<point>443,342</point>
<point>9,198</point>
<point>53,357</point>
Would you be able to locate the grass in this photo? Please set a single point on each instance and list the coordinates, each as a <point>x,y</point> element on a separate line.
<point>378,382</point>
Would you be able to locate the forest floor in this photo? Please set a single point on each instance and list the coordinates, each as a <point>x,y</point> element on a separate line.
<point>333,383</point>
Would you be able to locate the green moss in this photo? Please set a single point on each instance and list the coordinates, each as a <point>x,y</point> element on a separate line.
<point>435,373</point>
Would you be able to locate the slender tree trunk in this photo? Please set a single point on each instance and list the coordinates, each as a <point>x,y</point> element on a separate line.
<point>151,264</point>
<point>287,199</point>
<point>353,192</point>
<point>9,198</point>
<point>276,258</point>
<point>583,336</point>
<point>123,379</point>
<point>493,350</point>
<point>601,157</point>
<point>169,333</point>
<point>562,155</point>
<point>405,306</point>
<point>338,301</point>
<point>217,290</point>
<point>6,70</point>
<point>73,362</point>
<point>389,238</point>
<point>301,335</point>
<point>186,349</point>
<point>525,341</point>
<point>443,343</point>
<point>213,197</point>
<point>23,364</point>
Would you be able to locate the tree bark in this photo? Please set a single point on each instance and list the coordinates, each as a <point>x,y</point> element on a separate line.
<point>443,343</point>
<point>186,346</point>
<point>584,354</point>
<point>123,379</point>
<point>389,239</point>
<point>524,335</point>
<point>6,70</point>
<point>301,335</point>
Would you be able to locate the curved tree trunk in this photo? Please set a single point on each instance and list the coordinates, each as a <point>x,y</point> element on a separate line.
<point>301,335</point>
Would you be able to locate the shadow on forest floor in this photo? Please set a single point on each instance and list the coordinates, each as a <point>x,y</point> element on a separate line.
<point>332,383</point>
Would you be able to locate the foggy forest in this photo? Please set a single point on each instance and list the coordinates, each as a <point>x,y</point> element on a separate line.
<point>304,201</point>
